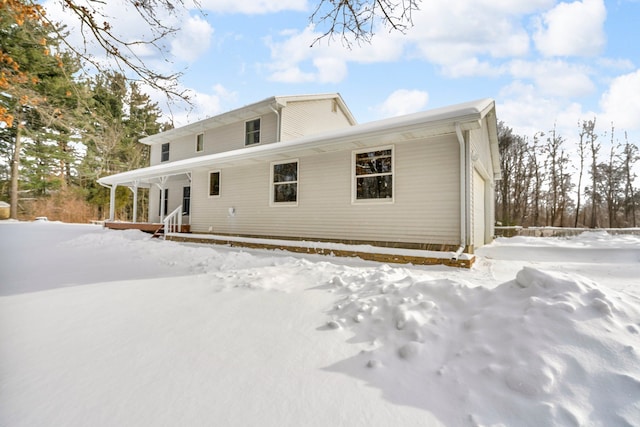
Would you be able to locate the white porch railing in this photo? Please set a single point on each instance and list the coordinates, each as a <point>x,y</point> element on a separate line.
<point>173,222</point>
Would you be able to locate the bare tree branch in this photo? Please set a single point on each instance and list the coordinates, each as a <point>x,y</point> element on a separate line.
<point>96,27</point>
<point>354,20</point>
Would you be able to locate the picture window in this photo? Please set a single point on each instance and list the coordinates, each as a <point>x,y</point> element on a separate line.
<point>373,177</point>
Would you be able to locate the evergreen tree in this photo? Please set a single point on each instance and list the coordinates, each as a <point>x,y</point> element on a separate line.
<point>120,116</point>
<point>36,83</point>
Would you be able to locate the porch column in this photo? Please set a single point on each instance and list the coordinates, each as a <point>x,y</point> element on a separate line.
<point>112,203</point>
<point>134,190</point>
<point>190,182</point>
<point>162,186</point>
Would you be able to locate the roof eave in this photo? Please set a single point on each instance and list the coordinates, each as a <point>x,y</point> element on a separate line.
<point>354,137</point>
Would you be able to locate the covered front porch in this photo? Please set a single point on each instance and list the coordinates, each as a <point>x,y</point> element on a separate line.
<point>162,202</point>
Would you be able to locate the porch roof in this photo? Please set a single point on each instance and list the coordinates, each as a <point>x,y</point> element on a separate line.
<point>394,130</point>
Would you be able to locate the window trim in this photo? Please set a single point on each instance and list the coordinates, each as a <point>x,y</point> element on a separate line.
<point>354,187</point>
<point>162,152</point>
<point>214,196</point>
<point>200,142</point>
<point>259,132</point>
<point>272,184</point>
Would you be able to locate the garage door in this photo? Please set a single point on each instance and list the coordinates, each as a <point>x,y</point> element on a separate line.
<point>478,210</point>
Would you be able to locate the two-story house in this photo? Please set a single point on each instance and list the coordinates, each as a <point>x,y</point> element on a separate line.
<point>299,168</point>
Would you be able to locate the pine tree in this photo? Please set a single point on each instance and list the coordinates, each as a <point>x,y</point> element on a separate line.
<point>35,82</point>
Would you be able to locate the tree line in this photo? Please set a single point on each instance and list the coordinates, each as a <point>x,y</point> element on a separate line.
<point>60,129</point>
<point>547,183</point>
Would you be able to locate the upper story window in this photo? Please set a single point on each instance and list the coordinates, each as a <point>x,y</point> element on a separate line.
<point>199,142</point>
<point>284,183</point>
<point>214,184</point>
<point>373,174</point>
<point>165,152</point>
<point>252,132</point>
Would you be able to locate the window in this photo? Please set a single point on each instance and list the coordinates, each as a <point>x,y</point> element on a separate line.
<point>252,132</point>
<point>284,183</point>
<point>166,203</point>
<point>186,200</point>
<point>165,152</point>
<point>374,175</point>
<point>214,184</point>
<point>199,142</point>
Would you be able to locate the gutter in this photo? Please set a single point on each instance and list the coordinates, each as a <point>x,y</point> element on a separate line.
<point>463,195</point>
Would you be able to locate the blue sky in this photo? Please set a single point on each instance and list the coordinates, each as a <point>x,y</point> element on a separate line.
<point>545,62</point>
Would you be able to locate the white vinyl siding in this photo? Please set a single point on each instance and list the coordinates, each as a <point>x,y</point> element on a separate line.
<point>479,222</point>
<point>483,165</point>
<point>425,209</point>
<point>304,118</point>
<point>224,138</point>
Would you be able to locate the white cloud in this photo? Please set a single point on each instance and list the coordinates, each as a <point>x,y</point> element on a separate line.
<point>455,35</point>
<point>201,104</point>
<point>471,67</point>
<point>621,104</point>
<point>554,78</point>
<point>295,60</point>
<point>204,105</point>
<point>330,70</point>
<point>572,29</point>
<point>464,38</point>
<point>458,37</point>
<point>253,7</point>
<point>193,40</point>
<point>403,102</point>
<point>527,112</point>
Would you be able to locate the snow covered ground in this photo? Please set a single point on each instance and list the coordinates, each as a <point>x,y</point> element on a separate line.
<point>109,328</point>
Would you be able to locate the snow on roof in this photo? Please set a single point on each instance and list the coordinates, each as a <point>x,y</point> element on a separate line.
<point>422,124</point>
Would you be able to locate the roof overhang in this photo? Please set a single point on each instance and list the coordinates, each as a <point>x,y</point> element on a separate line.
<point>395,130</point>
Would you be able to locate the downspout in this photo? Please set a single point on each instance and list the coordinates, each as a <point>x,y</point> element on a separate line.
<point>277,122</point>
<point>463,193</point>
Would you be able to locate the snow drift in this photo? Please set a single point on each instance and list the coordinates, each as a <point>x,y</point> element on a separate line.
<point>543,349</point>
